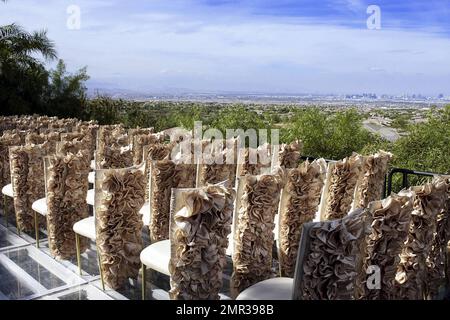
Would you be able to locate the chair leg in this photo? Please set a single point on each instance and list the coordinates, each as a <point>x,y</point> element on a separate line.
<point>17,225</point>
<point>143,281</point>
<point>5,210</point>
<point>77,245</point>
<point>36,228</point>
<point>100,269</point>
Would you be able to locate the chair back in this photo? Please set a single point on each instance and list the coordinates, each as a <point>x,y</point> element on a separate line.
<point>330,258</point>
<point>119,260</point>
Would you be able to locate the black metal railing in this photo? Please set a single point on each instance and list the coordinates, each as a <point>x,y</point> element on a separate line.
<point>388,181</point>
<point>406,174</point>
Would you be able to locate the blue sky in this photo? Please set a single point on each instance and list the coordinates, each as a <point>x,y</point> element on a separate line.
<point>286,46</point>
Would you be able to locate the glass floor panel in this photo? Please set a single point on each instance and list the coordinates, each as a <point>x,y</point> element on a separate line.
<point>9,239</point>
<point>27,272</point>
<point>83,292</point>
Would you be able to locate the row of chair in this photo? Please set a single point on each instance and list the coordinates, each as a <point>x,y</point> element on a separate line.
<point>158,255</point>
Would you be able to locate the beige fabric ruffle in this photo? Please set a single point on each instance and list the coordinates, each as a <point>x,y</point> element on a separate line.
<point>341,187</point>
<point>370,188</point>
<point>247,163</point>
<point>289,154</point>
<point>119,197</point>
<point>141,140</point>
<point>333,258</point>
<point>215,168</point>
<point>438,256</point>
<point>110,141</point>
<point>133,133</point>
<point>411,274</point>
<point>253,243</point>
<point>154,152</point>
<point>163,176</point>
<point>116,158</point>
<point>67,186</point>
<point>65,147</point>
<point>299,204</point>
<point>27,174</point>
<point>85,136</point>
<point>199,242</point>
<point>391,220</point>
<point>7,140</point>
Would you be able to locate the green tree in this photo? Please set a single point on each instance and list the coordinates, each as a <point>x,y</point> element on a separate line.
<point>104,109</point>
<point>333,136</point>
<point>23,78</point>
<point>426,145</point>
<point>239,117</point>
<point>66,92</point>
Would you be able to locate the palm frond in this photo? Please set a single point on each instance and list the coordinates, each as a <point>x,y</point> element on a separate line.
<point>19,42</point>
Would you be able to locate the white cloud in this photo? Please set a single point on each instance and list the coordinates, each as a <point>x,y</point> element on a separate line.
<point>185,48</point>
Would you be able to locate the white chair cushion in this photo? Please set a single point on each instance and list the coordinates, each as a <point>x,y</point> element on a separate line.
<point>145,208</point>
<point>157,256</point>
<point>40,206</point>
<point>276,229</point>
<point>93,164</point>
<point>8,190</point>
<point>230,249</point>
<point>271,289</point>
<point>145,212</point>
<point>85,227</point>
<point>91,177</point>
<point>90,198</point>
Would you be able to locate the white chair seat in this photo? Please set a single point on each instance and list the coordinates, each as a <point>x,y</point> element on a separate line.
<point>145,212</point>
<point>8,190</point>
<point>40,206</point>
<point>90,198</point>
<point>85,227</point>
<point>91,177</point>
<point>270,289</point>
<point>230,249</point>
<point>276,229</point>
<point>93,164</point>
<point>145,208</point>
<point>157,256</point>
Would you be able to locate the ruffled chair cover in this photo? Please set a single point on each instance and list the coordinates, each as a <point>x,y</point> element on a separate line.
<point>370,185</point>
<point>299,203</point>
<point>153,152</point>
<point>139,142</point>
<point>257,203</point>
<point>165,175</point>
<point>255,161</point>
<point>200,227</point>
<point>429,202</point>
<point>86,137</point>
<point>390,224</point>
<point>288,155</point>
<point>7,140</point>
<point>331,256</point>
<point>67,185</point>
<point>113,149</point>
<point>214,167</point>
<point>437,262</point>
<point>27,176</point>
<point>340,187</point>
<point>119,195</point>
